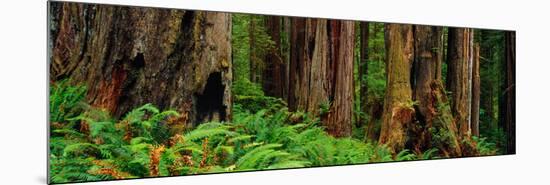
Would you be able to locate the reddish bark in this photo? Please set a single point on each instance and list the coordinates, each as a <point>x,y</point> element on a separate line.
<point>130,56</point>
<point>321,65</point>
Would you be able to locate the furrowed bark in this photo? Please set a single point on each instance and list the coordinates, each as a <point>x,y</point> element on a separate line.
<point>321,65</point>
<point>342,42</point>
<point>459,59</point>
<point>274,75</point>
<point>476,92</point>
<point>398,111</point>
<point>130,56</point>
<point>426,71</point>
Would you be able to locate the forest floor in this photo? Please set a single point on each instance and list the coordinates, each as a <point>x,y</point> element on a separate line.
<point>87,144</point>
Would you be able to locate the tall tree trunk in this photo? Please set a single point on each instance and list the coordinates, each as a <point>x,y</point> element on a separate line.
<point>341,88</point>
<point>321,67</point>
<point>130,56</point>
<point>510,92</point>
<point>426,71</point>
<point>476,92</point>
<point>363,70</point>
<point>432,114</point>
<point>459,58</point>
<point>274,82</point>
<point>285,49</point>
<point>252,45</point>
<point>398,111</point>
<point>303,95</point>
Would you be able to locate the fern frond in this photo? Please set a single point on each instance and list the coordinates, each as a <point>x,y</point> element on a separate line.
<point>429,154</point>
<point>249,159</point>
<point>80,149</point>
<point>405,155</point>
<point>289,164</point>
<point>202,133</point>
<point>240,138</point>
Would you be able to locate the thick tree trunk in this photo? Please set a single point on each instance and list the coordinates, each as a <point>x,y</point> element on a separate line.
<point>130,56</point>
<point>427,74</point>
<point>363,70</point>
<point>427,62</point>
<point>459,58</point>
<point>433,116</point>
<point>303,95</point>
<point>476,92</point>
<point>510,92</point>
<point>341,88</point>
<point>274,82</point>
<point>398,111</point>
<point>321,67</point>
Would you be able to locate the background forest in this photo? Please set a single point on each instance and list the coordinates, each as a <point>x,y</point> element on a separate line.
<point>141,92</point>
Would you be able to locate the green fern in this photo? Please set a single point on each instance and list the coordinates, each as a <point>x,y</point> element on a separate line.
<point>65,100</point>
<point>429,154</point>
<point>80,149</point>
<point>405,155</point>
<point>263,138</point>
<point>203,133</point>
<point>485,147</point>
<point>250,159</point>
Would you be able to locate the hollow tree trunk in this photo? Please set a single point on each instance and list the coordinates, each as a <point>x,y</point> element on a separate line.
<point>510,92</point>
<point>459,57</point>
<point>398,111</point>
<point>321,67</point>
<point>130,56</point>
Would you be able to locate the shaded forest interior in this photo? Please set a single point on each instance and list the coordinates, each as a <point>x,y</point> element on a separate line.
<point>143,92</point>
<point>464,69</point>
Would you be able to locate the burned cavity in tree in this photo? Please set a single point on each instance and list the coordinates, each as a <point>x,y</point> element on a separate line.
<point>209,103</point>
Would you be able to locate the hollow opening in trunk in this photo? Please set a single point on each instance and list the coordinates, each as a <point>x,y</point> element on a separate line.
<point>210,105</point>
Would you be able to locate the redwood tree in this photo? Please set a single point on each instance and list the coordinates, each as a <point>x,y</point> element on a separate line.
<point>509,91</point>
<point>433,116</point>
<point>130,56</point>
<point>321,67</point>
<point>476,92</point>
<point>460,58</point>
<point>428,49</point>
<point>398,111</point>
<point>274,75</point>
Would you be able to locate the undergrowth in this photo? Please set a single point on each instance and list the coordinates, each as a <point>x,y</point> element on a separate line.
<point>260,136</point>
